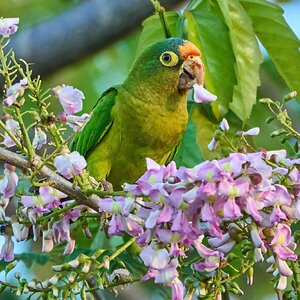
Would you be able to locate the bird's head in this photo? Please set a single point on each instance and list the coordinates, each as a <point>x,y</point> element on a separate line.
<point>169,65</point>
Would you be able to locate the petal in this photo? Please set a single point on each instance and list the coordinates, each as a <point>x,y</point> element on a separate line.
<point>201,95</point>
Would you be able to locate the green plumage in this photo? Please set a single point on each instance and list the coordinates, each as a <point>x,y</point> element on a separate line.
<point>144,117</point>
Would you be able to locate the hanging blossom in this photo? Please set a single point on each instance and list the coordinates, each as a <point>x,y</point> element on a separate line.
<point>70,163</point>
<point>14,128</point>
<point>9,182</point>
<point>75,122</point>
<point>251,132</point>
<point>7,250</point>
<point>202,95</point>
<point>15,91</point>
<point>39,139</point>
<point>187,205</point>
<point>69,97</point>
<point>8,26</point>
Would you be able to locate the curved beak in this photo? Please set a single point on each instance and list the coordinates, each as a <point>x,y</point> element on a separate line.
<point>191,72</point>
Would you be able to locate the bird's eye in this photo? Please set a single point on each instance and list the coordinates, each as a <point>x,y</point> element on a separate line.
<point>169,59</point>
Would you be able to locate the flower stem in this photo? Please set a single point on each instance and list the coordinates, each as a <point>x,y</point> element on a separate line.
<point>296,277</point>
<point>28,146</point>
<point>90,192</point>
<point>57,212</point>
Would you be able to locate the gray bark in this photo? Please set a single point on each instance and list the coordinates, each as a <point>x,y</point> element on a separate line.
<point>81,31</point>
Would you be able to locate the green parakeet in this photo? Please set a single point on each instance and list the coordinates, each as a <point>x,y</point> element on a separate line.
<point>143,117</point>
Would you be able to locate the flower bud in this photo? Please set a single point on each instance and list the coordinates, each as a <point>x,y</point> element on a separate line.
<point>250,274</point>
<point>86,266</point>
<point>290,96</point>
<point>224,125</point>
<point>106,262</point>
<point>97,253</point>
<point>10,266</point>
<point>251,132</point>
<point>278,132</point>
<point>242,149</point>
<point>255,178</point>
<point>213,144</point>
<point>72,277</point>
<point>265,101</point>
<point>73,264</point>
<point>54,279</point>
<point>270,119</point>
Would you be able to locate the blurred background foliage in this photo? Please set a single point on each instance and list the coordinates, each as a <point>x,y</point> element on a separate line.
<point>110,66</point>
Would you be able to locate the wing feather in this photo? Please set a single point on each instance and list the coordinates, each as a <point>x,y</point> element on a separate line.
<point>98,125</point>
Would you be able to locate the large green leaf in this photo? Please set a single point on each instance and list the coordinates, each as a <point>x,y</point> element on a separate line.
<point>247,54</point>
<point>278,39</point>
<point>205,131</point>
<point>153,30</point>
<point>188,153</point>
<point>208,31</point>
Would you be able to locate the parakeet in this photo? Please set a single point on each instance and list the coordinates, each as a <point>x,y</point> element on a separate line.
<point>145,116</point>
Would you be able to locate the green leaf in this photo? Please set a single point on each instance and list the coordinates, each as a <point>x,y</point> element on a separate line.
<point>277,37</point>
<point>209,32</point>
<point>30,258</point>
<point>205,131</point>
<point>153,30</point>
<point>247,54</point>
<point>188,153</point>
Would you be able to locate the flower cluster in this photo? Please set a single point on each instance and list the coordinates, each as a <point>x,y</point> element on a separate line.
<point>243,196</point>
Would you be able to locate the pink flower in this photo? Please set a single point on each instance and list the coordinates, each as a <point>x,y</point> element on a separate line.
<point>283,267</point>
<point>231,210</point>
<point>282,283</point>
<point>213,144</point>
<point>8,26</point>
<point>234,188</point>
<point>251,132</point>
<point>7,250</point>
<point>48,196</point>
<point>211,257</point>
<point>119,205</point>
<point>209,171</point>
<point>224,125</point>
<point>203,250</point>
<point>14,128</point>
<point>281,243</point>
<point>168,273</point>
<point>201,95</point>
<point>47,244</point>
<point>121,220</point>
<point>20,231</point>
<point>177,289</point>
<point>14,92</point>
<point>70,163</point>
<point>69,97</point>
<point>75,122</point>
<point>155,258</point>
<point>9,182</point>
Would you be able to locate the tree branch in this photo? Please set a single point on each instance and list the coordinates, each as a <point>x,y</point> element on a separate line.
<point>58,181</point>
<point>80,31</point>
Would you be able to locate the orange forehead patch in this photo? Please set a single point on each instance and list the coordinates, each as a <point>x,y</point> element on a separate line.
<point>188,49</point>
